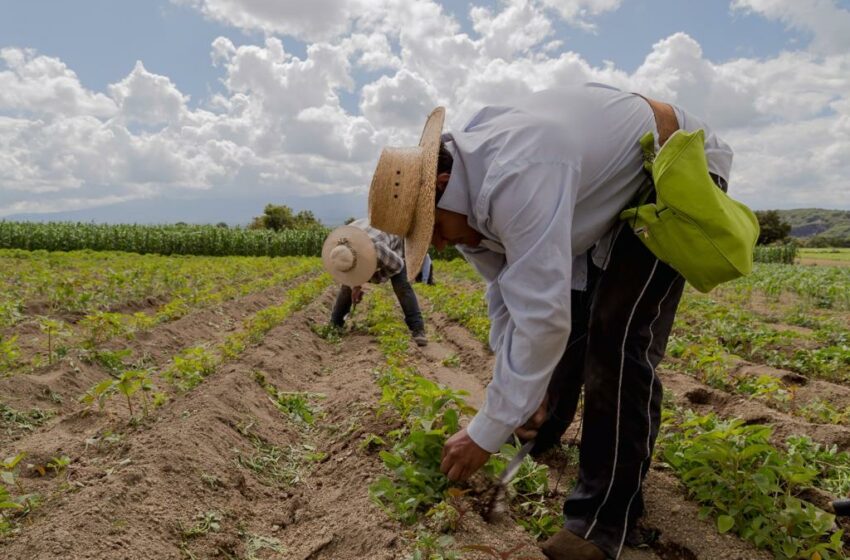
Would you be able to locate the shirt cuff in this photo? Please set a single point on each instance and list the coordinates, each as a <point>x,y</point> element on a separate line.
<point>487,433</point>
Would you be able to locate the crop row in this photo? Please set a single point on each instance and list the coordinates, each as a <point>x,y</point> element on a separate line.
<point>784,254</point>
<point>135,387</point>
<point>825,353</point>
<point>163,240</point>
<point>416,492</point>
<point>761,505</point>
<point>750,488</point>
<point>826,287</point>
<point>85,281</point>
<point>211,286</point>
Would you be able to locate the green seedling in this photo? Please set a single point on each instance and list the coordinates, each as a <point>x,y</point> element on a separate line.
<point>59,464</point>
<point>54,330</point>
<point>9,354</point>
<point>452,360</point>
<point>372,442</point>
<point>189,368</point>
<point>209,522</point>
<point>429,546</point>
<point>331,333</point>
<point>111,360</point>
<point>99,394</point>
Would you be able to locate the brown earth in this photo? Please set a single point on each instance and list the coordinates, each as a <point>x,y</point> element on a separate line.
<point>137,491</point>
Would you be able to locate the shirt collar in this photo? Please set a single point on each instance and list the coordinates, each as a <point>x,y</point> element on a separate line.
<point>456,196</point>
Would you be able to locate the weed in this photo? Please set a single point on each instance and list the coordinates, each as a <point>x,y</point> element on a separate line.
<point>452,360</point>
<point>15,422</point>
<point>272,465</point>
<point>212,481</point>
<point>256,543</point>
<point>331,333</point>
<point>205,523</point>
<point>372,442</point>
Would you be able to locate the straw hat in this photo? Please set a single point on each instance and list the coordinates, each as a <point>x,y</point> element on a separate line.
<point>349,256</point>
<point>401,198</point>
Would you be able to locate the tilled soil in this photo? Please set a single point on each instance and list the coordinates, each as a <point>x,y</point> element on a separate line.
<point>180,484</point>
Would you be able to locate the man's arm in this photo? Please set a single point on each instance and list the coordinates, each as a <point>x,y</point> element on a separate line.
<point>489,265</point>
<point>531,210</point>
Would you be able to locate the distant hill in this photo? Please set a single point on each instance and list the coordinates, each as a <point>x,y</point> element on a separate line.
<point>808,222</point>
<point>332,210</point>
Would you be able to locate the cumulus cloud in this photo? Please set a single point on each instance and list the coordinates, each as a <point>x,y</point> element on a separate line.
<point>147,98</point>
<point>281,122</point>
<point>824,19</point>
<point>43,85</point>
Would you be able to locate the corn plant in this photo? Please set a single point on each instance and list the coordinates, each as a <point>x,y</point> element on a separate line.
<point>163,240</point>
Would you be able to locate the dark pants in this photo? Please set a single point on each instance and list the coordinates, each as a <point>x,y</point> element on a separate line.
<point>406,298</point>
<point>620,327</point>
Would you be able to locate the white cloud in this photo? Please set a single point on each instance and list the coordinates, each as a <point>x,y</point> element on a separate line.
<point>515,29</point>
<point>580,12</point>
<point>148,98</point>
<point>43,85</point>
<point>824,19</point>
<point>281,123</point>
<point>312,20</point>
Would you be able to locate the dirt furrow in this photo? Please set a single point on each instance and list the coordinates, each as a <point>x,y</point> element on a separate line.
<point>57,388</point>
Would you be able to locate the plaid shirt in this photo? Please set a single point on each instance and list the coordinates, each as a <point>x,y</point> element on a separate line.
<point>389,248</point>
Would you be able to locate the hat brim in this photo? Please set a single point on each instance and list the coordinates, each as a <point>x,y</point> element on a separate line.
<point>417,241</point>
<point>367,259</point>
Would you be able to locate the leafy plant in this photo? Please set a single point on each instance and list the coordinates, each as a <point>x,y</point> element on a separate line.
<point>738,477</point>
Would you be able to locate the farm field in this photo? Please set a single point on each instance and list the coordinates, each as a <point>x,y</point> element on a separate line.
<point>837,257</point>
<point>197,407</point>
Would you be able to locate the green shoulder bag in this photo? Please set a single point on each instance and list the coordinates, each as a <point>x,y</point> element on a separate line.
<point>693,225</point>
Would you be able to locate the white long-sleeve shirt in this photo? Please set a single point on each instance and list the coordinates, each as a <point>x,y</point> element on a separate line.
<point>544,180</point>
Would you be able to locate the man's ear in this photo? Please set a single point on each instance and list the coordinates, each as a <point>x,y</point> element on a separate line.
<point>442,181</point>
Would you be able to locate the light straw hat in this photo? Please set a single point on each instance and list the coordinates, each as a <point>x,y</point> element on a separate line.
<point>401,198</point>
<point>349,256</point>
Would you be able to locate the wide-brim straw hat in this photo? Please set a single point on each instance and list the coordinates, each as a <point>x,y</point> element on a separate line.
<point>401,198</point>
<point>349,256</point>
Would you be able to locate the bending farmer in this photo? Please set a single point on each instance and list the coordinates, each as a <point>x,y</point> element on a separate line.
<point>357,253</point>
<point>530,193</point>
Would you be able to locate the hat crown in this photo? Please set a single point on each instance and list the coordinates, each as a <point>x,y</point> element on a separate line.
<point>342,257</point>
<point>395,189</point>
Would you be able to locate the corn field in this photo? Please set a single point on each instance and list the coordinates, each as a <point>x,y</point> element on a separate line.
<point>784,254</point>
<point>163,240</point>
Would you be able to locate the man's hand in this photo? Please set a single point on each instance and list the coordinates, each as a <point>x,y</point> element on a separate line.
<point>462,457</point>
<point>528,431</point>
<point>356,294</point>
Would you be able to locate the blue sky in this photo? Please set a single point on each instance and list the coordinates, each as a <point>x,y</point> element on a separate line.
<point>102,39</point>
<point>762,70</point>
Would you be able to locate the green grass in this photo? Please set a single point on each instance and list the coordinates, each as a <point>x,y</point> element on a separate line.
<point>831,254</point>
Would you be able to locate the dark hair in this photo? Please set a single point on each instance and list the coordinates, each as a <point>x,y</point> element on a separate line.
<point>444,165</point>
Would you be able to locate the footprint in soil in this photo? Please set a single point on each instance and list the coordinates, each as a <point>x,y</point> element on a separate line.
<point>699,396</point>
